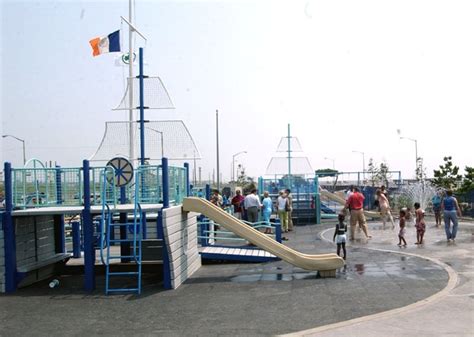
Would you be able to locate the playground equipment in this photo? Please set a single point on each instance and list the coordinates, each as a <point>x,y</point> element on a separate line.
<point>221,244</point>
<point>326,264</point>
<point>33,235</point>
<point>312,202</point>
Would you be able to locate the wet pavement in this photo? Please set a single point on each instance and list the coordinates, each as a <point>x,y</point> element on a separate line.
<point>244,299</point>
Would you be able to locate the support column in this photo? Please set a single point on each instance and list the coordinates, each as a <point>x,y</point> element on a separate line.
<point>88,230</point>
<point>166,204</point>
<point>188,188</point>
<point>9,232</point>
<point>59,200</point>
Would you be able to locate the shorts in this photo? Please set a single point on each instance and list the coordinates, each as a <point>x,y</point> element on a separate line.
<point>402,232</point>
<point>420,227</point>
<point>341,238</point>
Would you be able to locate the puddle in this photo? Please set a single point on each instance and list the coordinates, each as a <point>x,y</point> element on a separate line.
<point>274,277</point>
<point>359,269</point>
<point>246,278</point>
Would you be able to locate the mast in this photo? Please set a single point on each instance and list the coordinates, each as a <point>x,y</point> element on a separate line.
<point>289,157</point>
<point>130,93</point>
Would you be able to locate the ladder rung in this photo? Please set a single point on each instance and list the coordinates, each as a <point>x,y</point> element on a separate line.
<point>123,289</point>
<point>122,240</point>
<point>121,257</point>
<point>123,224</point>
<point>123,273</point>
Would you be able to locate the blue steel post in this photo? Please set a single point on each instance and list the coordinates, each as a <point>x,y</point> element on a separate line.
<point>124,246</point>
<point>76,240</point>
<point>260,185</point>
<point>188,188</point>
<point>9,232</point>
<point>278,230</point>
<point>208,192</point>
<point>142,109</point>
<point>89,252</point>
<point>260,194</point>
<point>166,204</point>
<point>166,184</point>
<point>317,200</point>
<point>59,201</point>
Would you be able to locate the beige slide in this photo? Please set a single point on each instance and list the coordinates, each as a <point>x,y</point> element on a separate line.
<point>342,201</point>
<point>325,263</point>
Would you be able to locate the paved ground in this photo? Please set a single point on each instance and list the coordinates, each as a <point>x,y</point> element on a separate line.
<point>276,298</point>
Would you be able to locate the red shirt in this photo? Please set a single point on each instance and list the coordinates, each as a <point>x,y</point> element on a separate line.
<point>237,202</point>
<point>355,201</point>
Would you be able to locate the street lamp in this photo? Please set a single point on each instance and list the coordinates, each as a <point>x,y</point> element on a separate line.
<point>233,164</point>
<point>416,151</point>
<point>21,140</point>
<point>363,161</point>
<point>333,160</point>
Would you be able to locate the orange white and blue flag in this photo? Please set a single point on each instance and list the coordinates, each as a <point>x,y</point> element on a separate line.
<point>108,44</point>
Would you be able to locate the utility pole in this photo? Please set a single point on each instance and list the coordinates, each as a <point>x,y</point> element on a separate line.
<point>217,149</point>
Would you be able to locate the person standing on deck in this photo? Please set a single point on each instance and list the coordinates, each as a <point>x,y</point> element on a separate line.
<point>237,201</point>
<point>290,209</point>
<point>252,205</point>
<point>267,210</point>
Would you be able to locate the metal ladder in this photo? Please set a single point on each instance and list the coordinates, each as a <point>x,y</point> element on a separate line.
<point>134,237</point>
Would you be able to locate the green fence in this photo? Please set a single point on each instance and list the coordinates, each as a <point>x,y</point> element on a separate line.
<point>46,187</point>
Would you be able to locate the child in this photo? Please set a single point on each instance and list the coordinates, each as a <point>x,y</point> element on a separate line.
<point>420,223</point>
<point>340,234</point>
<point>401,233</point>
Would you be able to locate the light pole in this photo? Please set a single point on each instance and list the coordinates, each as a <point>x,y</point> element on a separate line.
<point>161,137</point>
<point>20,140</point>
<point>363,161</point>
<point>333,160</point>
<point>233,164</point>
<point>416,152</point>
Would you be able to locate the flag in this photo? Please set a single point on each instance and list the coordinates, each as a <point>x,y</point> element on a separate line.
<point>108,44</point>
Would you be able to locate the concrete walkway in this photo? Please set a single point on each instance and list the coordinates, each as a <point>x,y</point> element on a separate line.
<point>384,290</point>
<point>449,312</point>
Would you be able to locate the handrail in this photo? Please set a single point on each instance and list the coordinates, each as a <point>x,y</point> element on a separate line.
<point>103,232</point>
<point>103,225</point>
<point>135,230</point>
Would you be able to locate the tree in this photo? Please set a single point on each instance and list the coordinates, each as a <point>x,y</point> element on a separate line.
<point>447,176</point>
<point>420,173</point>
<point>373,172</point>
<point>468,180</point>
<point>247,183</point>
<point>383,175</point>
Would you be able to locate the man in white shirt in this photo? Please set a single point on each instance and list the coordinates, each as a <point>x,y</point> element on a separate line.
<point>252,205</point>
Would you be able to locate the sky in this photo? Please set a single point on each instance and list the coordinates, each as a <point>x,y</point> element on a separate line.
<point>346,75</point>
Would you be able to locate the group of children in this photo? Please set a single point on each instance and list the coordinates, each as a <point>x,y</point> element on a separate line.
<point>405,216</point>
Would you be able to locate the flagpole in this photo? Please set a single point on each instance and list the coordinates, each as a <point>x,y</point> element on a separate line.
<point>130,93</point>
